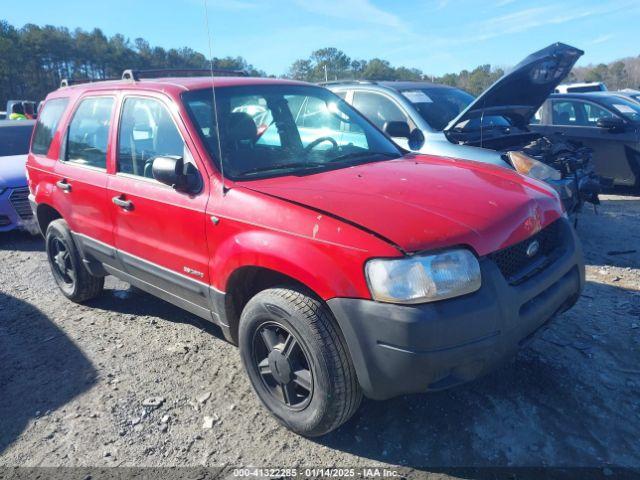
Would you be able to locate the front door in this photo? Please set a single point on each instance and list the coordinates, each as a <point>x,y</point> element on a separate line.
<point>159,232</point>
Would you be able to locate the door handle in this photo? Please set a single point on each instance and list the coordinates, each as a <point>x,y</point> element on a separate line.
<point>63,185</point>
<point>122,203</point>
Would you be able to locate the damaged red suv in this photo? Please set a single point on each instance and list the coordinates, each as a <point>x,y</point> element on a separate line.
<point>340,264</point>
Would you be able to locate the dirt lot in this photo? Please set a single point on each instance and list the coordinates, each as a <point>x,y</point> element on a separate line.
<point>74,381</point>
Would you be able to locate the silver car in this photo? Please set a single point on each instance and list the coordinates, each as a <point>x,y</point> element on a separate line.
<point>493,128</point>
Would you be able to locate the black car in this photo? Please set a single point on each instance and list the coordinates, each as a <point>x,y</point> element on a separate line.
<point>606,122</point>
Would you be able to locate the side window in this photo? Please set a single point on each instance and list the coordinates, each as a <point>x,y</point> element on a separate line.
<point>88,134</point>
<point>146,131</point>
<point>564,113</point>
<point>593,113</point>
<point>47,124</point>
<point>378,109</point>
<point>342,94</point>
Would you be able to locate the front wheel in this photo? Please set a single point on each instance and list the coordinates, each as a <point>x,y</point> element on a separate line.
<point>298,362</point>
<point>70,274</point>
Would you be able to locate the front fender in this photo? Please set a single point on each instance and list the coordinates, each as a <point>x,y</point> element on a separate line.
<point>321,268</point>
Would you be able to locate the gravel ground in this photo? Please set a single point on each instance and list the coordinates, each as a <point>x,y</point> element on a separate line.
<point>130,380</point>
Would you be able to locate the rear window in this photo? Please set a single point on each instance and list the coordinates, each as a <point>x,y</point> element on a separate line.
<point>88,134</point>
<point>47,124</point>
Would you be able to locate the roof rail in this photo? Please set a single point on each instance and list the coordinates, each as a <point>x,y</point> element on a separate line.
<point>135,75</point>
<point>340,82</point>
<point>67,82</point>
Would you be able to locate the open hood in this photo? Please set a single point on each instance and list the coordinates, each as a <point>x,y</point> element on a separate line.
<point>521,92</point>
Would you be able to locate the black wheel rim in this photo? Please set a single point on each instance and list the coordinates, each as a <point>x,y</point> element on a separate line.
<point>283,365</point>
<point>60,259</point>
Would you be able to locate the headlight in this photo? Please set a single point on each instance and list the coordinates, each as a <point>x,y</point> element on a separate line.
<point>423,278</point>
<point>2,190</point>
<point>526,165</point>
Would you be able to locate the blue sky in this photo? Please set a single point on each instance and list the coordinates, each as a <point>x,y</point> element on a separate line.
<point>437,36</point>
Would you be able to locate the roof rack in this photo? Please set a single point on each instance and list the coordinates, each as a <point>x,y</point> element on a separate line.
<point>67,82</point>
<point>135,75</point>
<point>340,82</point>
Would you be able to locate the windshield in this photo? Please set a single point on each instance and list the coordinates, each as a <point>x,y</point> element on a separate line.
<point>14,139</point>
<point>438,106</point>
<point>627,108</point>
<point>271,130</point>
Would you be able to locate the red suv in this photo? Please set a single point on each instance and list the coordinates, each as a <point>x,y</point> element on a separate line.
<point>340,264</point>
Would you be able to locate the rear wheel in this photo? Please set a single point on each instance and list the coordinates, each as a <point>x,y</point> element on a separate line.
<point>69,273</point>
<point>298,362</point>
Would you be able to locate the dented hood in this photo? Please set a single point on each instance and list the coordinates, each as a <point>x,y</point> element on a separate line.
<point>519,93</point>
<point>421,202</point>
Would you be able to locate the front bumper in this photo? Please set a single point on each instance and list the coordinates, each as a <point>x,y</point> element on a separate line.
<point>15,211</point>
<point>401,349</point>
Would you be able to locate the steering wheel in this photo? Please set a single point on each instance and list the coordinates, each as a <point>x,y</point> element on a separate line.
<point>318,141</point>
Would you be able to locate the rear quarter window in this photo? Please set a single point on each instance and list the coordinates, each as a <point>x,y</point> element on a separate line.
<point>47,124</point>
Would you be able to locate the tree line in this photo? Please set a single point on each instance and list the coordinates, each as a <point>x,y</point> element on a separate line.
<point>33,60</point>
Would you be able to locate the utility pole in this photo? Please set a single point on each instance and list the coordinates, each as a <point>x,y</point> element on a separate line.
<point>326,76</point>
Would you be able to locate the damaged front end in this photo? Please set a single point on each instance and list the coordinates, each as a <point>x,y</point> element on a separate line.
<point>564,164</point>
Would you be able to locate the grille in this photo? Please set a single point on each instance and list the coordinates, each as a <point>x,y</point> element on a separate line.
<point>19,198</point>
<point>517,266</point>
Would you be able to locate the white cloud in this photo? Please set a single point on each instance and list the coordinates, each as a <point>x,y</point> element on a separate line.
<point>601,39</point>
<point>353,10</point>
<point>534,17</point>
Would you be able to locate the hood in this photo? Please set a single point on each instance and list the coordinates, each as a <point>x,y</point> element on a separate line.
<point>12,171</point>
<point>422,203</point>
<point>521,92</point>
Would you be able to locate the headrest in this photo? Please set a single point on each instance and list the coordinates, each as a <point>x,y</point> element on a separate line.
<point>240,126</point>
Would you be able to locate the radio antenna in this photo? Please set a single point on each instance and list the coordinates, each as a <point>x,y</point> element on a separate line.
<point>213,95</point>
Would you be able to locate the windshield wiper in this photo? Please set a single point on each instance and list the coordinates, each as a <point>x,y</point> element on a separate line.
<point>282,166</point>
<point>353,155</point>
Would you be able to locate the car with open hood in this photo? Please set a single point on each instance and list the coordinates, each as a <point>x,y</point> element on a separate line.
<point>608,123</point>
<point>340,264</point>
<point>493,128</point>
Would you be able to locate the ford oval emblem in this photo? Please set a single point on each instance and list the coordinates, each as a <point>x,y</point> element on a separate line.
<point>533,248</point>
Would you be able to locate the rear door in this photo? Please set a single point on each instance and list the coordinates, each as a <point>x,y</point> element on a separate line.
<point>159,232</point>
<point>614,155</point>
<point>81,174</point>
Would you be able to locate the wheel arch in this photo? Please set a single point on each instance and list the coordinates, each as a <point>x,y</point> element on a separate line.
<point>247,281</point>
<point>45,214</point>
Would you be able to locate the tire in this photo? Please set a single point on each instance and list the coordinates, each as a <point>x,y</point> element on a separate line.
<point>302,332</point>
<point>70,274</point>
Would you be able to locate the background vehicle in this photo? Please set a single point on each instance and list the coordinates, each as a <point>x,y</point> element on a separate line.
<point>442,120</point>
<point>606,122</point>
<point>28,106</point>
<point>15,211</point>
<point>338,264</point>
<point>628,93</point>
<point>581,87</point>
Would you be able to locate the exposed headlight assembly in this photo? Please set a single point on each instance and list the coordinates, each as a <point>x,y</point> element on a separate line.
<point>423,278</point>
<point>526,165</point>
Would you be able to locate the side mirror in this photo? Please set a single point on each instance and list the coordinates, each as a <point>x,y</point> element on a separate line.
<point>397,129</point>
<point>173,171</point>
<point>416,139</point>
<point>613,124</point>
